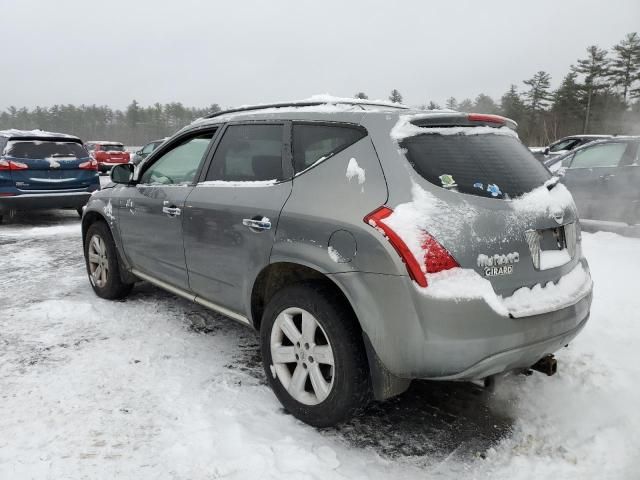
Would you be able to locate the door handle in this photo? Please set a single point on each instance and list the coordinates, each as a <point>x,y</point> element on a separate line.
<point>172,211</point>
<point>260,223</point>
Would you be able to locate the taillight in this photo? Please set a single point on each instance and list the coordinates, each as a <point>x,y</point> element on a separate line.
<point>12,165</point>
<point>90,165</point>
<point>485,117</point>
<point>435,258</point>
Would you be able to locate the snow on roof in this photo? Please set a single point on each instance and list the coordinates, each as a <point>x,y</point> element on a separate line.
<point>105,142</point>
<point>12,132</point>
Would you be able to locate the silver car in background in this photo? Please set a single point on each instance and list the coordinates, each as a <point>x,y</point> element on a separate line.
<point>369,244</point>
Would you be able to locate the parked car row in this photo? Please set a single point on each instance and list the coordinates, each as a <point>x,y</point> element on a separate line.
<point>46,170</point>
<point>604,178</point>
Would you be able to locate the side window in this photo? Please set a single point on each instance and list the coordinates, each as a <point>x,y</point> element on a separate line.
<point>567,161</point>
<point>180,164</point>
<point>148,148</point>
<point>248,153</point>
<point>312,143</point>
<point>566,145</point>
<point>90,146</point>
<point>607,155</point>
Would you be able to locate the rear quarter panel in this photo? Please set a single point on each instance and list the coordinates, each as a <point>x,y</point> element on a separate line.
<point>327,208</point>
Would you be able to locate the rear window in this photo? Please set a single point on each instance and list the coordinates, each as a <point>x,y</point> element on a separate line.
<point>312,143</point>
<point>112,148</point>
<point>37,149</point>
<point>487,165</point>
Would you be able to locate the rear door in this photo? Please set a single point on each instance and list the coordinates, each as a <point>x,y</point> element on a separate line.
<point>590,176</point>
<point>46,164</point>
<point>231,217</point>
<point>150,214</point>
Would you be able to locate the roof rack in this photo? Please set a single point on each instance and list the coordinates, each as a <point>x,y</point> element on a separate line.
<point>314,103</point>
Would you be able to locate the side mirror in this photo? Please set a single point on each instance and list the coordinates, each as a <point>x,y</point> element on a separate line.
<point>139,152</point>
<point>546,151</point>
<point>122,173</point>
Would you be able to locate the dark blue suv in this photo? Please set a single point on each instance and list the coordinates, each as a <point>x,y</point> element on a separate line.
<point>44,170</point>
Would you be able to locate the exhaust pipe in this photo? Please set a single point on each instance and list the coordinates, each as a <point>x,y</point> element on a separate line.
<point>547,365</point>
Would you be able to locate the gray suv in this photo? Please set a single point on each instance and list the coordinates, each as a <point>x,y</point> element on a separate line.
<point>369,244</point>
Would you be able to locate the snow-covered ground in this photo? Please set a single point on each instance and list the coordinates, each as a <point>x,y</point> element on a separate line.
<point>156,387</point>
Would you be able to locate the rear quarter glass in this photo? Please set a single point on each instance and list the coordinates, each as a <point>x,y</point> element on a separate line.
<point>487,165</point>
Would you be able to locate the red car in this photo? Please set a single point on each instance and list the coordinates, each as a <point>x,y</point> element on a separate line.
<point>107,154</point>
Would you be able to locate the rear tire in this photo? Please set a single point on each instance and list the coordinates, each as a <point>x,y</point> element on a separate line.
<point>103,267</point>
<point>309,319</point>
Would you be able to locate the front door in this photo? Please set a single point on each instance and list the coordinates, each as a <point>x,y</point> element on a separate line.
<point>230,219</point>
<point>151,212</point>
<point>589,175</point>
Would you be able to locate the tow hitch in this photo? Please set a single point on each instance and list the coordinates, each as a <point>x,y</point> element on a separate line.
<point>547,365</point>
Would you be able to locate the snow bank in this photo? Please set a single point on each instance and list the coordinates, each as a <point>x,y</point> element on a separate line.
<point>404,128</point>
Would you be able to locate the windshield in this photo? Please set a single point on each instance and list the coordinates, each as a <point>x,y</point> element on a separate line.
<point>488,165</point>
<point>38,149</point>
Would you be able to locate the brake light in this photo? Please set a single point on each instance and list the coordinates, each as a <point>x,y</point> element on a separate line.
<point>484,117</point>
<point>436,258</point>
<point>12,165</point>
<point>90,165</point>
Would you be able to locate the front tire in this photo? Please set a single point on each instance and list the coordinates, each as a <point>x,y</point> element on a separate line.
<point>102,264</point>
<point>313,354</point>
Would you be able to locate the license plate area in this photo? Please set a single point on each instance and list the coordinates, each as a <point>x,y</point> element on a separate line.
<point>552,247</point>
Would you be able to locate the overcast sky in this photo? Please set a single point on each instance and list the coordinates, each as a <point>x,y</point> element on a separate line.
<point>237,52</point>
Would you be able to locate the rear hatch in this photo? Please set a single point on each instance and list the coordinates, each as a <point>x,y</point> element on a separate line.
<point>39,164</point>
<point>481,195</point>
<point>112,153</point>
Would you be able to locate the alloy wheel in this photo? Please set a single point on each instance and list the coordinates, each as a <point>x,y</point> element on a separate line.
<point>302,356</point>
<point>98,261</point>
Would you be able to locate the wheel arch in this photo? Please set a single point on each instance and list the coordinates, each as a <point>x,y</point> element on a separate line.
<point>276,275</point>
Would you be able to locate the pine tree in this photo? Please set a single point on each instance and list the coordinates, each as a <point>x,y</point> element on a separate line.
<point>485,104</point>
<point>624,68</point>
<point>538,95</point>
<point>452,103</point>
<point>567,108</point>
<point>511,105</point>
<point>361,96</point>
<point>395,96</point>
<point>466,105</point>
<point>594,69</point>
<point>433,106</point>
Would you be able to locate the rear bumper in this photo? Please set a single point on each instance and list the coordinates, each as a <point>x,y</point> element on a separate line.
<point>33,201</point>
<point>418,337</point>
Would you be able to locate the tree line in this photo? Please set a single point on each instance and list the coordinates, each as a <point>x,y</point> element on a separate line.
<point>134,126</point>
<point>599,94</point>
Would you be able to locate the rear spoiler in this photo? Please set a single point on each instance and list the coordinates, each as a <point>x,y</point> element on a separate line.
<point>464,120</point>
